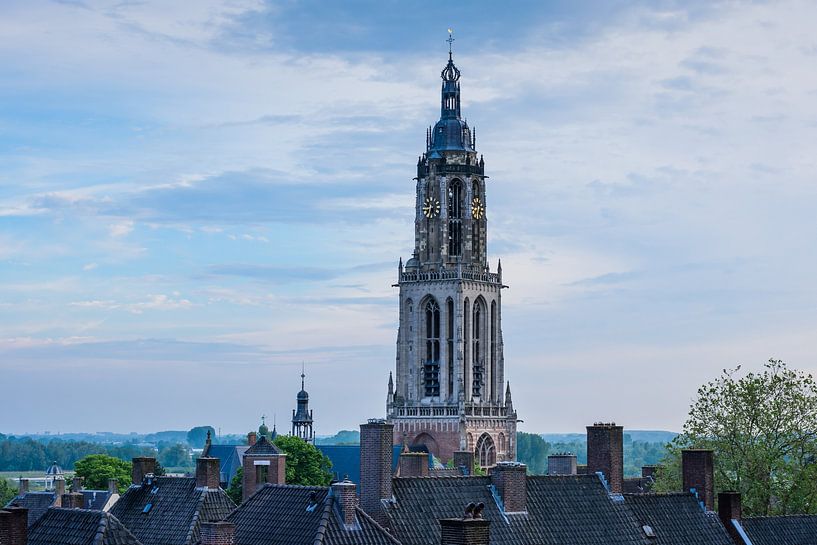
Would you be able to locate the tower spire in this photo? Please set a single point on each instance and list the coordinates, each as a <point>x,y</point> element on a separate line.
<point>450,41</point>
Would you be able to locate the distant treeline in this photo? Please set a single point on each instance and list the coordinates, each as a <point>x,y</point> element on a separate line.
<point>26,454</point>
<point>533,451</point>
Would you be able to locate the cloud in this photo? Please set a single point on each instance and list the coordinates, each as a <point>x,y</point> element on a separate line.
<point>121,228</point>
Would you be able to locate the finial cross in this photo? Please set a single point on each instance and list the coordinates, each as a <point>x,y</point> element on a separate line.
<point>450,40</point>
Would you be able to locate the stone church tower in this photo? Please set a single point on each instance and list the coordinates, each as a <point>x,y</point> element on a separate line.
<point>448,392</point>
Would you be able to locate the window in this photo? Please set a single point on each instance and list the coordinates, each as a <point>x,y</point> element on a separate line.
<point>431,365</point>
<point>494,379</point>
<point>486,451</point>
<point>449,314</point>
<point>476,351</point>
<point>455,219</point>
<point>475,224</point>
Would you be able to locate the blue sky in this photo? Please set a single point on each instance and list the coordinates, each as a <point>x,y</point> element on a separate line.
<point>196,197</point>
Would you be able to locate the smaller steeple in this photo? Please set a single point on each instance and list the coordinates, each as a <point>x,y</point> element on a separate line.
<point>391,385</point>
<point>302,416</point>
<point>508,400</point>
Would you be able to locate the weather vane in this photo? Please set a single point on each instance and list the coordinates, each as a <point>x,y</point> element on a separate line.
<point>450,40</point>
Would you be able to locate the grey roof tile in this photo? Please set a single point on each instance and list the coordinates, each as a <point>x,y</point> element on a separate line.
<point>781,530</point>
<point>79,527</point>
<point>37,504</point>
<point>677,519</point>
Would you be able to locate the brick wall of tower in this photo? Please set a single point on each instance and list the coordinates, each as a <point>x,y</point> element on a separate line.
<point>447,434</point>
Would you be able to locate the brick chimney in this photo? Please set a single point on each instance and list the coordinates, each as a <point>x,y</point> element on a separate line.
<point>698,472</point>
<point>464,461</point>
<point>413,464</point>
<point>76,484</point>
<point>59,490</point>
<point>142,466</point>
<point>73,500</point>
<point>346,497</point>
<point>14,526</point>
<point>23,487</point>
<point>511,483</point>
<point>375,467</point>
<point>208,473</point>
<point>113,486</point>
<point>472,529</point>
<point>729,509</point>
<point>648,471</point>
<point>605,453</point>
<point>562,464</point>
<point>218,533</point>
<point>251,438</point>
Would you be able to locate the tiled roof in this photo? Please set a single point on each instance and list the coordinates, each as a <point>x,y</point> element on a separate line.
<point>37,504</point>
<point>783,530</point>
<point>79,527</point>
<point>96,499</point>
<point>565,509</point>
<point>177,509</point>
<point>262,447</point>
<point>295,515</point>
<point>637,485</point>
<point>677,519</point>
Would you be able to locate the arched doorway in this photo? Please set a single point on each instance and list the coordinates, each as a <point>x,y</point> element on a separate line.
<point>485,451</point>
<point>425,439</point>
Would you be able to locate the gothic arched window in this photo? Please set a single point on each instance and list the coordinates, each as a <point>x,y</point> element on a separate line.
<point>478,361</point>
<point>449,349</point>
<point>494,394</point>
<point>455,195</point>
<point>431,365</point>
<point>475,224</point>
<point>485,451</point>
<point>466,331</point>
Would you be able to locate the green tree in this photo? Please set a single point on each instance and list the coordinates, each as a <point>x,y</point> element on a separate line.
<point>763,429</point>
<point>7,492</point>
<point>198,435</point>
<point>96,469</point>
<point>236,488</point>
<point>305,464</point>
<point>176,455</point>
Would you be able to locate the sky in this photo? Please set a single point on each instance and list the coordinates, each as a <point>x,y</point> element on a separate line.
<point>198,197</point>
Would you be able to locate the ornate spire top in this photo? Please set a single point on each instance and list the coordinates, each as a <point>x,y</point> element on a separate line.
<point>303,375</point>
<point>450,72</point>
<point>450,41</point>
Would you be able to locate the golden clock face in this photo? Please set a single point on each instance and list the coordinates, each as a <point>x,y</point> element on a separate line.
<point>431,207</point>
<point>477,208</point>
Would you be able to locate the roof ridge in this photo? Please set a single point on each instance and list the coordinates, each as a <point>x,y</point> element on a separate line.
<point>196,513</point>
<point>99,538</point>
<point>788,515</point>
<point>369,519</point>
<point>323,523</point>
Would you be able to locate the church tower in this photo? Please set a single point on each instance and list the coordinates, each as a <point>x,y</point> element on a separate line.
<point>302,416</point>
<point>448,392</point>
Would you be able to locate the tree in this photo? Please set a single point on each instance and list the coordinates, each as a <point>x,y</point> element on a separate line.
<point>763,429</point>
<point>176,455</point>
<point>96,469</point>
<point>236,488</point>
<point>197,436</point>
<point>7,492</point>
<point>305,464</point>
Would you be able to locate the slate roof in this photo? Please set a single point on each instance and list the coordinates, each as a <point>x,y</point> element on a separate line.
<point>230,457</point>
<point>79,527</point>
<point>677,519</point>
<point>96,499</point>
<point>637,485</point>
<point>563,510</point>
<point>346,460</point>
<point>295,515</point>
<point>37,504</point>
<point>782,530</point>
<point>262,447</point>
<point>177,510</point>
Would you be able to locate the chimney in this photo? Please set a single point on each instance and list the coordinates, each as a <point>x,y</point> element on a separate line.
<point>698,471</point>
<point>605,453</point>
<point>23,488</point>
<point>142,467</point>
<point>113,486</point>
<point>413,464</point>
<point>471,529</point>
<point>346,498</point>
<point>251,438</point>
<point>73,500</point>
<point>14,526</point>
<point>217,533</point>
<point>76,484</point>
<point>208,473</point>
<point>464,460</point>
<point>511,483</point>
<point>563,463</point>
<point>375,467</point>
<point>648,471</point>
<point>729,509</point>
<point>59,488</point>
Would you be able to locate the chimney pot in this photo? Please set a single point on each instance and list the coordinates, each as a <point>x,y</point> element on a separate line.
<point>23,488</point>
<point>511,482</point>
<point>208,473</point>
<point>376,438</point>
<point>698,471</point>
<point>218,533</point>
<point>346,497</point>
<point>14,526</point>
<point>605,453</point>
<point>141,468</point>
<point>562,464</point>
<point>73,500</point>
<point>252,438</point>
<point>76,484</point>
<point>113,486</point>
<point>59,487</point>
